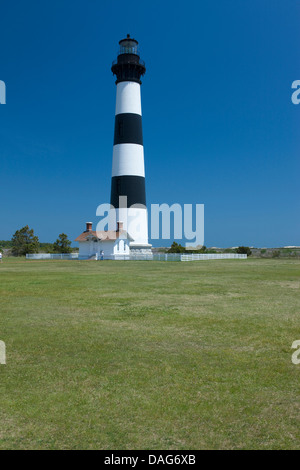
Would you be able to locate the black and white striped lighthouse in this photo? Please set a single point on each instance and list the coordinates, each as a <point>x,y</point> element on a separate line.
<point>128,169</point>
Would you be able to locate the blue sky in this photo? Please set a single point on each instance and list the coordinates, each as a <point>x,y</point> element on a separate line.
<point>219,125</point>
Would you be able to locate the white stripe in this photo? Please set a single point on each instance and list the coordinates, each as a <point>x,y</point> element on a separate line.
<point>128,159</point>
<point>135,222</point>
<point>128,98</point>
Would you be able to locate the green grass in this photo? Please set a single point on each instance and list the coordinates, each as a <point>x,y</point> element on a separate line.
<point>149,355</point>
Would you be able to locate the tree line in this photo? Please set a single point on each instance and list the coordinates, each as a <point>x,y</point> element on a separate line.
<point>24,242</point>
<point>177,248</point>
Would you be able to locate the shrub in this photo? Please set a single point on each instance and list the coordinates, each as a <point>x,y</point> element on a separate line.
<point>176,248</point>
<point>244,250</point>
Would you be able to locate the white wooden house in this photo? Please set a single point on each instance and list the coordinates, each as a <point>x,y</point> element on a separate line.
<point>109,244</point>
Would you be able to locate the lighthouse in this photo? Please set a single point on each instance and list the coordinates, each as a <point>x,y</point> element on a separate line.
<point>128,193</point>
<point>128,224</point>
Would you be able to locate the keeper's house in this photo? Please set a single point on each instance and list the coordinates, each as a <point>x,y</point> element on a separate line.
<point>112,244</point>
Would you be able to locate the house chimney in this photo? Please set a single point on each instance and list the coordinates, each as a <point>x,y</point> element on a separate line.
<point>89,226</point>
<point>120,226</point>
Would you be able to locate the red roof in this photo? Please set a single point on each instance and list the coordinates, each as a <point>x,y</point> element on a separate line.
<point>104,236</point>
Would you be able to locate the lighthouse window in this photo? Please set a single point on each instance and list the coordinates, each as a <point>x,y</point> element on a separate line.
<point>128,48</point>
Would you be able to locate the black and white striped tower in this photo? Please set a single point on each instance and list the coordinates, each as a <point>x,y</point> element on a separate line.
<point>128,170</point>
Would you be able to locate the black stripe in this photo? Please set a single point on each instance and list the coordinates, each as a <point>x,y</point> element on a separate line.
<point>131,186</point>
<point>128,129</point>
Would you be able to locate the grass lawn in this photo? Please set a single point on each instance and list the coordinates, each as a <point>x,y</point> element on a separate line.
<point>149,355</point>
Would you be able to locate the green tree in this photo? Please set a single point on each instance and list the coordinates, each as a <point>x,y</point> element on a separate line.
<point>244,250</point>
<point>24,241</point>
<point>176,248</point>
<point>62,244</point>
<point>46,248</point>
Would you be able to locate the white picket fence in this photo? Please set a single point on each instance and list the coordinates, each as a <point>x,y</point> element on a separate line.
<point>141,257</point>
<point>36,256</point>
<point>200,256</point>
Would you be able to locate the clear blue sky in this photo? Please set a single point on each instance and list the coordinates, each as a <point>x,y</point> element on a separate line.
<point>219,125</point>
